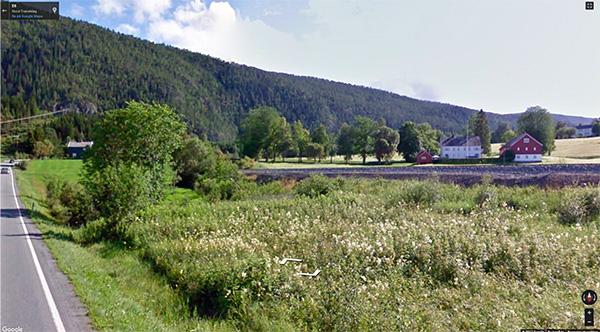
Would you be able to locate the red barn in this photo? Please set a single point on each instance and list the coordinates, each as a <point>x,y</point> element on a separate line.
<point>526,148</point>
<point>424,157</point>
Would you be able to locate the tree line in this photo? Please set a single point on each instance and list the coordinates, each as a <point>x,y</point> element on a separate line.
<point>265,133</point>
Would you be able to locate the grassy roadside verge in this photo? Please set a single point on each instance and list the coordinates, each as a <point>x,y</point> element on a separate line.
<point>121,291</point>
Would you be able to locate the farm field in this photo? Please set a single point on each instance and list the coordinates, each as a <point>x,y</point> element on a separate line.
<point>392,255</point>
<point>545,175</point>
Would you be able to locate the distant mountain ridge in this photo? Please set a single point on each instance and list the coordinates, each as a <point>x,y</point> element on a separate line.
<point>67,63</point>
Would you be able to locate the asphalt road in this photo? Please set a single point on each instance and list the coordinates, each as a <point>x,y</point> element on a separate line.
<point>34,294</point>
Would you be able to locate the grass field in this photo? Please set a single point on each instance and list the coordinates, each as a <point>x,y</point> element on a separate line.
<point>392,255</point>
<point>121,291</point>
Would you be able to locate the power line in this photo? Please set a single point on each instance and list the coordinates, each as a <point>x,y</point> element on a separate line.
<point>33,116</point>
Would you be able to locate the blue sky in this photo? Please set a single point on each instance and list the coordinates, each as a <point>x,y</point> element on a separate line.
<point>502,56</point>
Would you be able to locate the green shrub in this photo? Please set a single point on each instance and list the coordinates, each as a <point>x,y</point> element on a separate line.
<point>69,203</point>
<point>317,185</point>
<point>54,188</point>
<point>487,195</point>
<point>120,191</point>
<point>222,182</point>
<point>22,165</point>
<point>508,156</point>
<point>246,163</point>
<point>21,155</point>
<point>581,207</point>
<point>422,192</point>
<point>93,231</point>
<point>216,189</point>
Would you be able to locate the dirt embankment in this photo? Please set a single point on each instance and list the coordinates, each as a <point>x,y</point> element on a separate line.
<point>514,175</point>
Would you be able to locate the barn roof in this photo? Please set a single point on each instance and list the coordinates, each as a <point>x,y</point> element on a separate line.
<point>462,141</point>
<point>518,138</point>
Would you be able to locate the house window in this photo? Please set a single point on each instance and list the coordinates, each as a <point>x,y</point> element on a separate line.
<point>526,148</point>
<point>534,148</point>
<point>518,148</point>
<point>526,140</point>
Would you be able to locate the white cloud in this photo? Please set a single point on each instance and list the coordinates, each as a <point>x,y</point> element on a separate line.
<point>218,30</point>
<point>76,11</point>
<point>127,29</point>
<point>108,7</point>
<point>142,10</point>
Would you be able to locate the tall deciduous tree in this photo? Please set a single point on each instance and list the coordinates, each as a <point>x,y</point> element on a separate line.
<point>256,130</point>
<point>43,149</point>
<point>386,141</point>
<point>429,138</point>
<point>345,142</point>
<point>320,136</point>
<point>538,122</point>
<point>315,151</point>
<point>499,131</point>
<point>363,139</point>
<point>478,126</point>
<point>130,163</point>
<point>507,136</point>
<point>410,144</point>
<point>195,158</point>
<point>301,137</point>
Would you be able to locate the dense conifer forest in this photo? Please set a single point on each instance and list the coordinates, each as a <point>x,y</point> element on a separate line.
<point>52,65</point>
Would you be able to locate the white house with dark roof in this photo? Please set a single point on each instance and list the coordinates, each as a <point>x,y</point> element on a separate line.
<point>584,131</point>
<point>461,147</point>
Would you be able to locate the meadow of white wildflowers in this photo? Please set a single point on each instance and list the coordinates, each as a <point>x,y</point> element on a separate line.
<point>393,255</point>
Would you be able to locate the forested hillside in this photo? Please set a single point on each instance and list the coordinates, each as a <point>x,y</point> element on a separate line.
<point>72,64</point>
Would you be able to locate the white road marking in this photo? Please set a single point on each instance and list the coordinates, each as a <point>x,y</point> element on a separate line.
<point>53,310</point>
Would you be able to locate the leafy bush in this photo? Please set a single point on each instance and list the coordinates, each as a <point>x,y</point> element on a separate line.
<point>222,182</point>
<point>194,159</point>
<point>317,185</point>
<point>487,195</point>
<point>94,231</point>
<point>421,192</point>
<point>22,165</point>
<point>119,191</point>
<point>581,207</point>
<point>508,156</point>
<point>246,163</point>
<point>69,203</point>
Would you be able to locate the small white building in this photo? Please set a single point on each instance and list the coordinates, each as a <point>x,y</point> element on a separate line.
<point>461,147</point>
<point>583,131</point>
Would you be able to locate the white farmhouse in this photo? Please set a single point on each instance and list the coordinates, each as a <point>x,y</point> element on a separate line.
<point>583,131</point>
<point>461,147</point>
